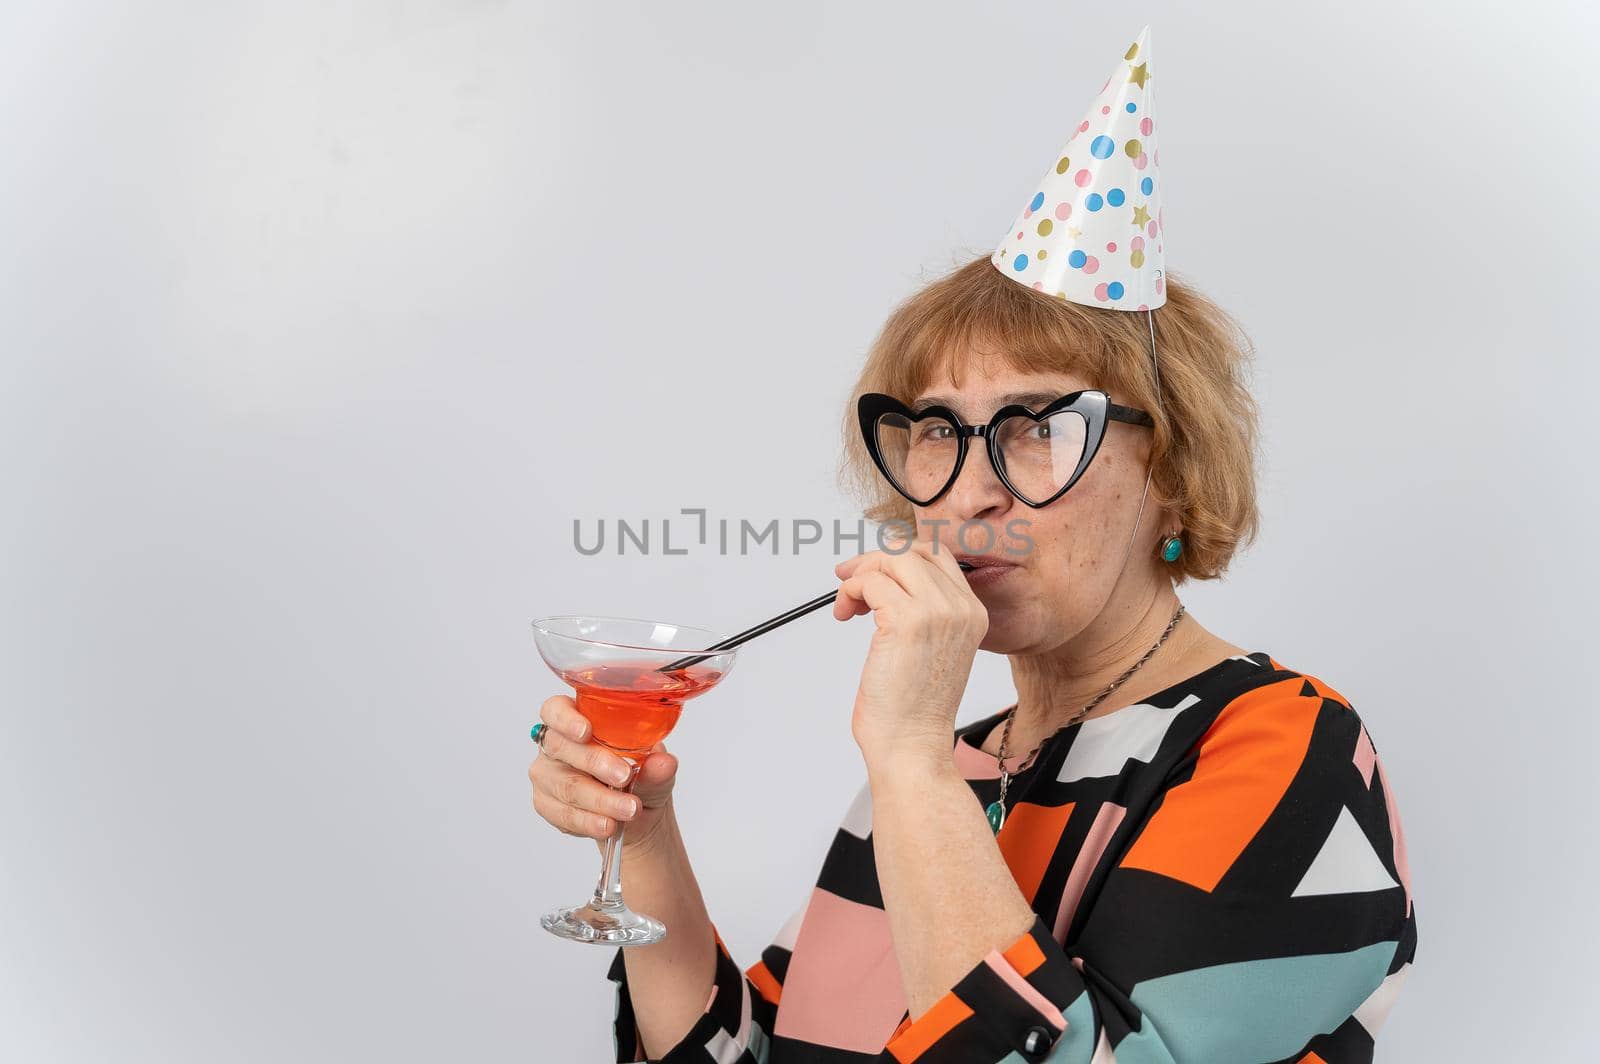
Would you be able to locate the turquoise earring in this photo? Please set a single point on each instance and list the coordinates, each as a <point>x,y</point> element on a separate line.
<point>1171,548</point>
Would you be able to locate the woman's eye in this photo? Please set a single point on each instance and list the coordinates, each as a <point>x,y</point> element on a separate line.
<point>934,433</point>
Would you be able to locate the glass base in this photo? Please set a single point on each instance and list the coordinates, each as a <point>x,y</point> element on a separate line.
<point>610,925</point>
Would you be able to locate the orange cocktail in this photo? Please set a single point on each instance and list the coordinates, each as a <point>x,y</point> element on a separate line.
<point>632,705</point>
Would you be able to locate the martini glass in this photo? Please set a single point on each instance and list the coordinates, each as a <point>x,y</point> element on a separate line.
<point>631,682</point>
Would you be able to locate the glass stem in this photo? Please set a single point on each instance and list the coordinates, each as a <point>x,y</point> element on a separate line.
<point>608,892</point>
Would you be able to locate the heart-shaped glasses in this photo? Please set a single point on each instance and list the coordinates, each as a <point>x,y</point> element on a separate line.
<point>1036,455</point>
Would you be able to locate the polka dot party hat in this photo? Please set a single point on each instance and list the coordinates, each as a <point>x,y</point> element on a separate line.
<point>1093,232</point>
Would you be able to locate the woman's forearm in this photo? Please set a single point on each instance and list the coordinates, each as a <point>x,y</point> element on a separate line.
<point>946,912</point>
<point>669,981</point>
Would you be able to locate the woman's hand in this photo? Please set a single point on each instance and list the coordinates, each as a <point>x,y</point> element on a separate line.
<point>575,781</point>
<point>929,625</point>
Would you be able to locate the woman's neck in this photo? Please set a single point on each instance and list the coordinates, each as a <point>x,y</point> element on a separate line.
<point>1053,686</point>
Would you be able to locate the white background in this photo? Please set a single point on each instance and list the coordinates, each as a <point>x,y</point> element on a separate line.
<point>321,323</point>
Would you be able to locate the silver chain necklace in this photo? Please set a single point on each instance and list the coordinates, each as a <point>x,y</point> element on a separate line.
<point>997,809</point>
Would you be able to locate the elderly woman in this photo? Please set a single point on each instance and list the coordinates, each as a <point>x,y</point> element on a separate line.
<point>1170,848</point>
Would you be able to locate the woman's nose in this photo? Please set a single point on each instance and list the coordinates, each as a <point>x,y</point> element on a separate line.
<point>977,492</point>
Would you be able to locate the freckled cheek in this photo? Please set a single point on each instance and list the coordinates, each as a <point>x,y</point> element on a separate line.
<point>1075,528</point>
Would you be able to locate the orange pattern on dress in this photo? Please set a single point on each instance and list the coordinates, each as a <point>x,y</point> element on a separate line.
<point>1029,839</point>
<point>1247,759</point>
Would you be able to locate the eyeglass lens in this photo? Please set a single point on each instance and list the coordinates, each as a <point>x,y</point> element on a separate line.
<point>1038,457</point>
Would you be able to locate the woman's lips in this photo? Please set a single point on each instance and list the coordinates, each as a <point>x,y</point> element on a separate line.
<point>983,571</point>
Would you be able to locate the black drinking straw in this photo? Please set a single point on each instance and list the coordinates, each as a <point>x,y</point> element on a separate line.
<point>761,629</point>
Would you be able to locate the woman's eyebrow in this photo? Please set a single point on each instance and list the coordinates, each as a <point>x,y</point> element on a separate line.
<point>1025,398</point>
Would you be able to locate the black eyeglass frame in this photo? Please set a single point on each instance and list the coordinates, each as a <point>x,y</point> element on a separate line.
<point>1094,405</point>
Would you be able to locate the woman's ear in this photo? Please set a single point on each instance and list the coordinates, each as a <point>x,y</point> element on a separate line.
<point>1168,520</point>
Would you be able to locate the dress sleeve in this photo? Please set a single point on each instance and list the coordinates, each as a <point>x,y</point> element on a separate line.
<point>1260,911</point>
<point>737,1023</point>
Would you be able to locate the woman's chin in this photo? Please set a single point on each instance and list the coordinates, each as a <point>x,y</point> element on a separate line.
<point>1003,638</point>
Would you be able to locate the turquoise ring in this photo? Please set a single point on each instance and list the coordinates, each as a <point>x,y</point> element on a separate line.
<point>537,734</point>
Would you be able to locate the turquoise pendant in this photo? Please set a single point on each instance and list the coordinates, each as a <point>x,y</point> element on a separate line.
<point>997,816</point>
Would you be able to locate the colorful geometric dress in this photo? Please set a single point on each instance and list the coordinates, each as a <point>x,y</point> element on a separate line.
<point>1218,874</point>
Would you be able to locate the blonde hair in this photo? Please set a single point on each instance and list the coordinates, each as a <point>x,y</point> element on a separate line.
<point>1203,455</point>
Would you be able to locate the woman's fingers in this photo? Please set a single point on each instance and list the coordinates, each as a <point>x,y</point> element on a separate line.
<point>592,758</point>
<point>917,572</point>
<point>581,791</point>
<point>579,804</point>
<point>560,712</point>
<point>572,786</point>
<point>873,589</point>
<point>852,599</point>
<point>922,569</point>
<point>945,560</point>
<point>571,820</point>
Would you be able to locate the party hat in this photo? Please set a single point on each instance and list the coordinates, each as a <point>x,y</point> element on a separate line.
<point>1093,231</point>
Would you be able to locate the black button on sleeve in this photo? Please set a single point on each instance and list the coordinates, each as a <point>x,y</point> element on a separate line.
<point>1036,1043</point>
